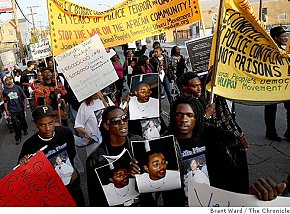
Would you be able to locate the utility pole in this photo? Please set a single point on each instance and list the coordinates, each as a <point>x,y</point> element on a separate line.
<point>40,25</point>
<point>260,10</point>
<point>18,35</point>
<point>32,17</point>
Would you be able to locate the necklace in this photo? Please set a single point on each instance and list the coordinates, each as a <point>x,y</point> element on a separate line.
<point>46,139</point>
<point>124,194</point>
<point>156,187</point>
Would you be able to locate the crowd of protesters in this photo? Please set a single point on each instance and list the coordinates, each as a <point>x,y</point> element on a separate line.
<point>194,121</point>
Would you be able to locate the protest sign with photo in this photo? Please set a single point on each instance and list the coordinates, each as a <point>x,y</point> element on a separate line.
<point>144,102</point>
<point>118,186</point>
<point>126,22</point>
<point>251,68</point>
<point>202,195</point>
<point>199,53</point>
<point>40,50</point>
<point>157,160</point>
<point>35,184</point>
<point>8,58</point>
<point>87,68</point>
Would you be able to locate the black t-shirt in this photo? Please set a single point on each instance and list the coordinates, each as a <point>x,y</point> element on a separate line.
<point>26,77</point>
<point>226,161</point>
<point>61,144</point>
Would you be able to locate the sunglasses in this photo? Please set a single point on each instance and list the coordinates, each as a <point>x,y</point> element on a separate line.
<point>117,120</point>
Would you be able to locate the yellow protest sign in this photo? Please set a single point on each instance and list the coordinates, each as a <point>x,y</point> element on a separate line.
<point>131,20</point>
<point>251,67</point>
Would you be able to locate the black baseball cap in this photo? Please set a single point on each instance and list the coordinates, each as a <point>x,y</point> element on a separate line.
<point>42,111</point>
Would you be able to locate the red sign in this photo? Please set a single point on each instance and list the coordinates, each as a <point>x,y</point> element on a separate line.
<point>35,184</point>
<point>5,6</point>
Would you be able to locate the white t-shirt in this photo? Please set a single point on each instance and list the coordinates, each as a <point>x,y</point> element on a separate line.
<point>65,172</point>
<point>116,196</point>
<point>169,182</point>
<point>86,119</point>
<point>146,110</point>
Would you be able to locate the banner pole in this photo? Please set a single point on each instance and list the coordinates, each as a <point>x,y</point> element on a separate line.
<point>100,94</point>
<point>217,45</point>
<point>54,70</point>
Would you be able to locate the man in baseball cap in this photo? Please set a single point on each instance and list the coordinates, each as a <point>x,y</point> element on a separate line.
<point>58,140</point>
<point>42,111</point>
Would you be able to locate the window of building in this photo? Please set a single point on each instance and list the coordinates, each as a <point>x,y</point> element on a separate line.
<point>282,16</point>
<point>10,32</point>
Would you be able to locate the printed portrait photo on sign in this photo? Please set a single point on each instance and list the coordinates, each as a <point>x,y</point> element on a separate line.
<point>196,169</point>
<point>151,128</point>
<point>144,99</point>
<point>157,160</point>
<point>118,186</point>
<point>62,166</point>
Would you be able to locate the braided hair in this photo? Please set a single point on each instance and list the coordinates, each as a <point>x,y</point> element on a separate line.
<point>197,109</point>
<point>105,133</point>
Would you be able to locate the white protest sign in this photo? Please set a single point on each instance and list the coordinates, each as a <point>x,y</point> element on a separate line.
<point>40,50</point>
<point>202,195</point>
<point>87,68</point>
<point>8,58</point>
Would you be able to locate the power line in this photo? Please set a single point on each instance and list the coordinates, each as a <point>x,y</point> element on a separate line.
<point>22,12</point>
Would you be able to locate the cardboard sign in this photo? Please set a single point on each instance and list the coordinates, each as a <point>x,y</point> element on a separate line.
<point>199,53</point>
<point>126,22</point>
<point>35,184</point>
<point>40,50</point>
<point>202,195</point>
<point>8,58</point>
<point>87,68</point>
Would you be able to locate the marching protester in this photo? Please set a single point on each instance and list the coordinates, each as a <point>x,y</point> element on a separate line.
<point>115,137</point>
<point>51,93</point>
<point>156,44</point>
<point>187,125</point>
<point>177,63</point>
<point>15,105</point>
<point>27,77</point>
<point>160,63</point>
<point>59,141</point>
<point>17,78</point>
<point>88,119</point>
<point>143,66</point>
<point>278,34</point>
<point>15,69</point>
<point>120,72</point>
<point>217,113</point>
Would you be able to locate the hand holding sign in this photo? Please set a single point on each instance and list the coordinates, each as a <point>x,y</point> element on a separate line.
<point>35,184</point>
<point>87,67</point>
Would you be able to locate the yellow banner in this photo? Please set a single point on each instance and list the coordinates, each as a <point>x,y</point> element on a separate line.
<point>131,20</point>
<point>251,67</point>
